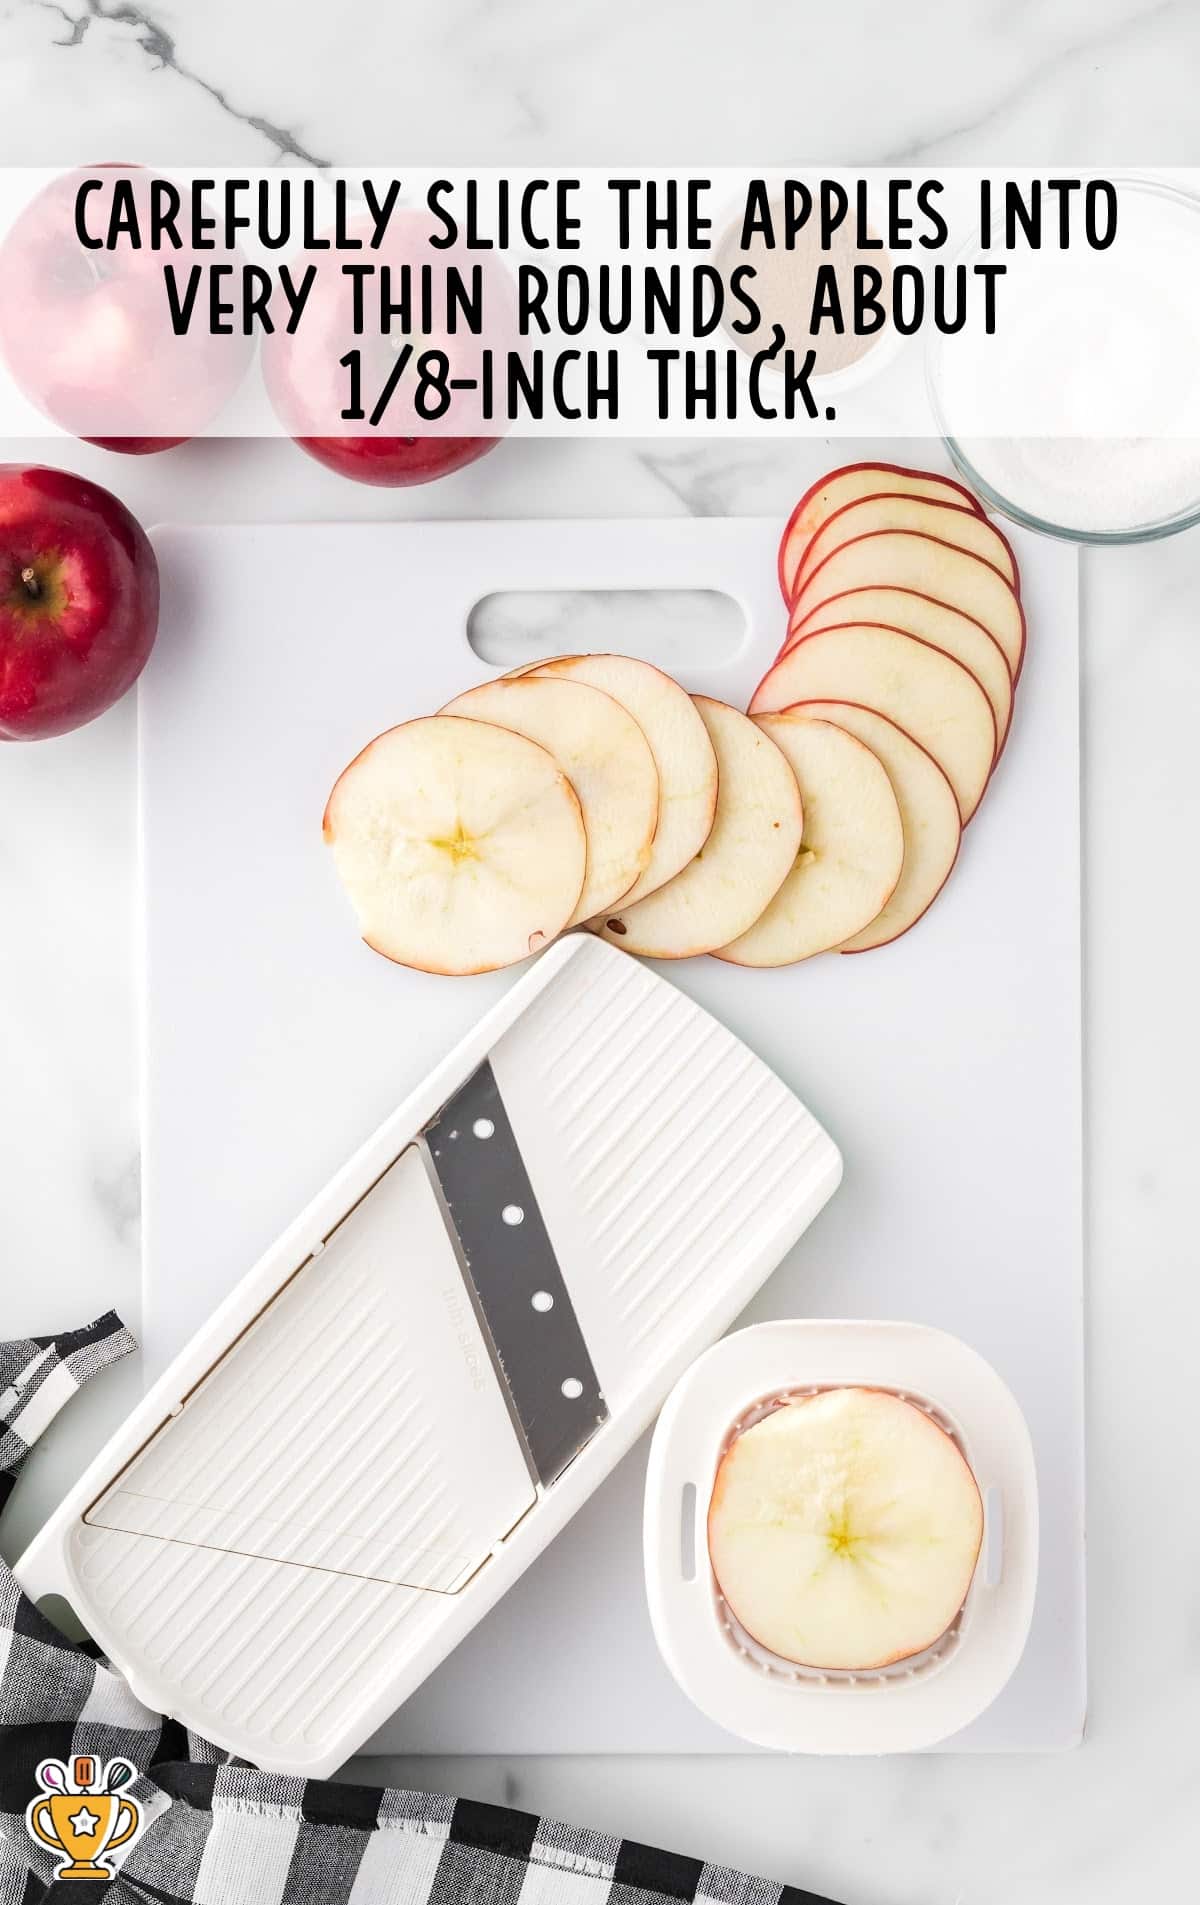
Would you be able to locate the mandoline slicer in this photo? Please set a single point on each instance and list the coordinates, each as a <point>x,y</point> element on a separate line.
<point>434,1366</point>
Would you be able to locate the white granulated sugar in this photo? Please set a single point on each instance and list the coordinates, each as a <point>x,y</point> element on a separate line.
<point>1097,484</point>
<point>1084,408</point>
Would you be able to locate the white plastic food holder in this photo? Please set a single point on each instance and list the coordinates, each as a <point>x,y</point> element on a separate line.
<point>772,1702</point>
<point>431,1370</point>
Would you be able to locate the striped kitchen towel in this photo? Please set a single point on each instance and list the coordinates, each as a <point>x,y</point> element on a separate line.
<point>218,1832</point>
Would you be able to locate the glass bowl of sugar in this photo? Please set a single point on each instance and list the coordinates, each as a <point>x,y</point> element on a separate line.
<point>1080,416</point>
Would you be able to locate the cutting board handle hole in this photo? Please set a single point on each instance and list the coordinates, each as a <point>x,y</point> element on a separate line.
<point>676,629</point>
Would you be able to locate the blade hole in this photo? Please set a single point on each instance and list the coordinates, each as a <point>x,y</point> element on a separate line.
<point>512,1214</point>
<point>572,1389</point>
<point>483,1128</point>
<point>677,629</point>
<point>542,1301</point>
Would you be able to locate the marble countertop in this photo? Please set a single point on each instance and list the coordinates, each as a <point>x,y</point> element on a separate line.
<point>1035,82</point>
<point>1054,83</point>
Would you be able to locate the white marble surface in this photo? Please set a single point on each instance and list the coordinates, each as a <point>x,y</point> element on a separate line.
<point>1069,80</point>
<point>1035,82</point>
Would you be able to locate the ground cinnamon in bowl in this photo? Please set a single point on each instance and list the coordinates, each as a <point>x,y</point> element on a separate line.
<point>785,286</point>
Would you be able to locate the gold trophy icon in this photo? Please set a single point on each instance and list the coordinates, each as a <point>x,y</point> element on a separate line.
<point>81,1817</point>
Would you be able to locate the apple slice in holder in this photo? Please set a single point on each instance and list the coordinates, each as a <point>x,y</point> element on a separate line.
<point>760,1696</point>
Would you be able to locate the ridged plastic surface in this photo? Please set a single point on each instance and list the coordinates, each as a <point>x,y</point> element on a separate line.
<point>354,1427</point>
<point>665,1155</point>
<point>350,1447</point>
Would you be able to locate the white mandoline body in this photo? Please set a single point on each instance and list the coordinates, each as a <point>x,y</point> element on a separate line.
<point>286,1622</point>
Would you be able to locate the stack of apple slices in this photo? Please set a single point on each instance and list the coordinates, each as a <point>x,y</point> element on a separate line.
<point>593,790</point>
<point>906,630</point>
<point>875,559</point>
<point>530,804</point>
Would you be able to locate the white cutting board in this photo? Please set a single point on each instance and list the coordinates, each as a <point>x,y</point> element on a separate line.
<point>947,1067</point>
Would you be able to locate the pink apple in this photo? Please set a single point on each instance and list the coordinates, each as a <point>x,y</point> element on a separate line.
<point>78,601</point>
<point>86,332</point>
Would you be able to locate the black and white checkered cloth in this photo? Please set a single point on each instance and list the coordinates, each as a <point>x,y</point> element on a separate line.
<point>220,1832</point>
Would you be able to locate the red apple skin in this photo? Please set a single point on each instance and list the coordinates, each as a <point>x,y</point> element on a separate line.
<point>848,469</point>
<point>137,446</point>
<point>78,601</point>
<point>395,462</point>
<point>308,389</point>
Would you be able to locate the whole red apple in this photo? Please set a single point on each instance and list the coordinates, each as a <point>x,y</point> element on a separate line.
<point>306,377</point>
<point>78,601</point>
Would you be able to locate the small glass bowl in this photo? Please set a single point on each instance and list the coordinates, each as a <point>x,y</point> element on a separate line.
<point>1150,530</point>
<point>1154,531</point>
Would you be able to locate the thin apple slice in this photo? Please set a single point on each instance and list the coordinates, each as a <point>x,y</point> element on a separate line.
<point>461,845</point>
<point>605,756</point>
<point>919,687</point>
<point>846,485</point>
<point>851,853</point>
<point>928,815</point>
<point>754,842</point>
<point>949,629</point>
<point>683,755</point>
<point>904,559</point>
<point>844,1530</point>
<point>945,522</point>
